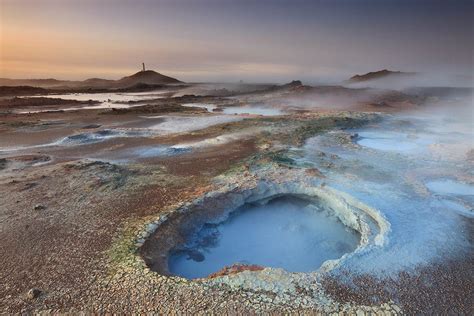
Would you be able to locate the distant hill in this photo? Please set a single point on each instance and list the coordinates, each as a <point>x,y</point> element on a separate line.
<point>96,83</point>
<point>379,75</point>
<point>148,77</point>
<point>20,90</point>
<point>42,83</point>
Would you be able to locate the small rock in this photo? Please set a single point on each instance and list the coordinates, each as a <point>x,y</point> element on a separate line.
<point>33,293</point>
<point>39,207</point>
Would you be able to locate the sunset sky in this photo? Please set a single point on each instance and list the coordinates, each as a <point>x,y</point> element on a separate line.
<point>220,40</point>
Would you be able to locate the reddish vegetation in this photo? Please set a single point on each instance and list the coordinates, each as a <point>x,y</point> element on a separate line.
<point>314,172</point>
<point>235,268</point>
<point>209,162</point>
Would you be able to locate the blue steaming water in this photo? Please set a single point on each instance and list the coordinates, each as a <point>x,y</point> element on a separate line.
<point>286,233</point>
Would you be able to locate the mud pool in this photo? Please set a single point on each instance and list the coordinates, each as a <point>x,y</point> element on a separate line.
<point>287,232</point>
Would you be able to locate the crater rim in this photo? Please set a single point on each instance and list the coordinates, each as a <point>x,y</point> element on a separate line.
<point>157,241</point>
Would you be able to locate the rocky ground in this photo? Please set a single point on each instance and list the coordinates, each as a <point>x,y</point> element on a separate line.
<point>69,223</point>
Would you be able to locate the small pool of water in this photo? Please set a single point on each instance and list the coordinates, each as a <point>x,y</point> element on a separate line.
<point>449,186</point>
<point>387,144</point>
<point>108,96</point>
<point>209,107</point>
<point>287,232</point>
<point>405,143</point>
<point>158,151</point>
<point>105,100</point>
<point>98,136</point>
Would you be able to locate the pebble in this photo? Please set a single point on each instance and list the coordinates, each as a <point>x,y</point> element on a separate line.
<point>39,207</point>
<point>33,293</point>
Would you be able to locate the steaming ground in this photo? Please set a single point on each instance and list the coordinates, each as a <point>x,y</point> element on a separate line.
<point>76,187</point>
<point>416,173</point>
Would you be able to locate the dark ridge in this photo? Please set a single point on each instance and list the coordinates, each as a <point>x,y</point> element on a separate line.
<point>148,77</point>
<point>378,75</point>
<point>20,90</point>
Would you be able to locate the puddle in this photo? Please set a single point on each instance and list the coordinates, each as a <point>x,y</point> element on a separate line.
<point>107,97</point>
<point>158,151</point>
<point>387,144</point>
<point>449,186</point>
<point>106,100</point>
<point>104,105</point>
<point>209,107</point>
<point>99,136</point>
<point>392,141</point>
<point>287,232</point>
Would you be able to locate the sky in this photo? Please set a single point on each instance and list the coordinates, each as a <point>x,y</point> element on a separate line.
<point>228,40</point>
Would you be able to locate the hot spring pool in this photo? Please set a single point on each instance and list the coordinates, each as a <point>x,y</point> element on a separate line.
<point>448,186</point>
<point>287,232</point>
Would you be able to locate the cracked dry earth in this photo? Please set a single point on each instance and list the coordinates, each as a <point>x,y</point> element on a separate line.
<point>59,220</point>
<point>60,246</point>
<point>68,229</point>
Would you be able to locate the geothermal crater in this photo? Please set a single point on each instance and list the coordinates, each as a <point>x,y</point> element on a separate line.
<point>294,227</point>
<point>286,232</point>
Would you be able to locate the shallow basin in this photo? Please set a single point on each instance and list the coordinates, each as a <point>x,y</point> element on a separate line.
<point>286,232</point>
<point>449,186</point>
<point>282,229</point>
